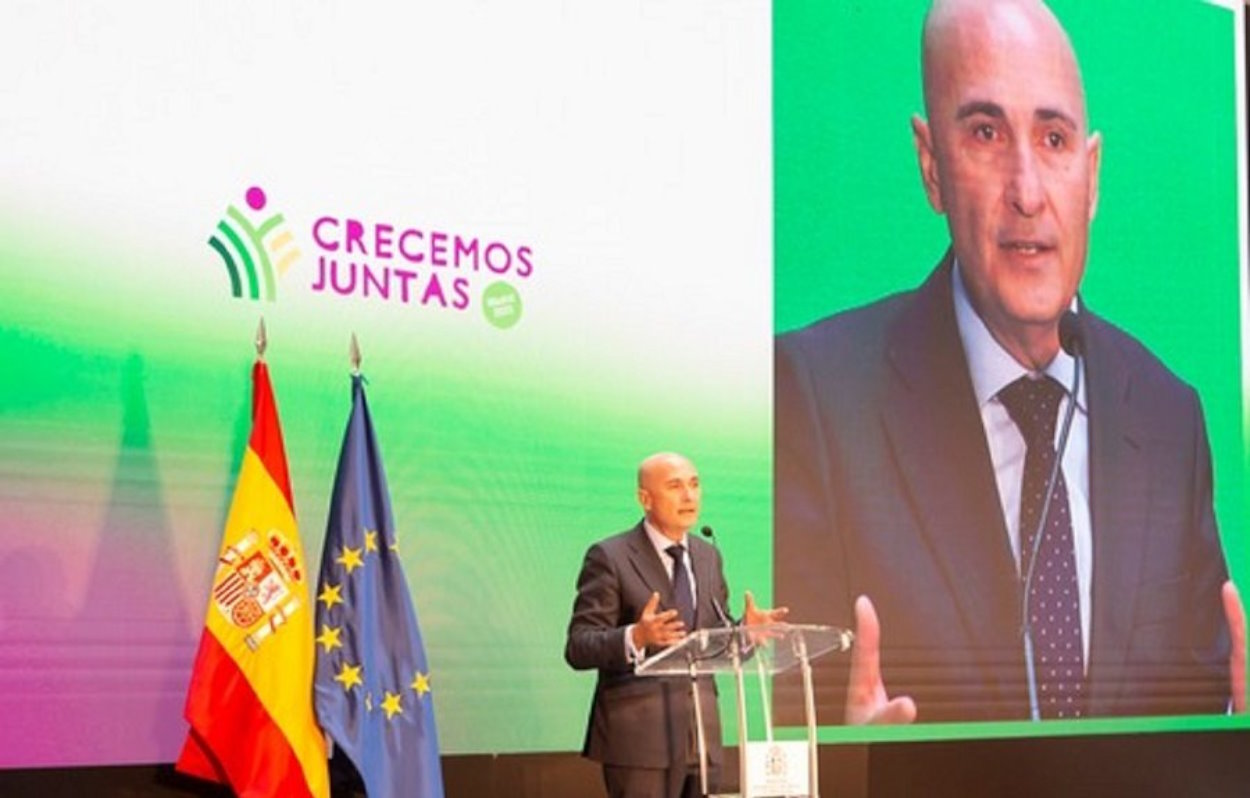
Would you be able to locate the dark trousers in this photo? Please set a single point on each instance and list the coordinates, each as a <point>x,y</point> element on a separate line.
<point>655,782</point>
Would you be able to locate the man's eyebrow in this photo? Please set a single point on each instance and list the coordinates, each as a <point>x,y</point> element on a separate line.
<point>1055,115</point>
<point>995,111</point>
<point>980,107</point>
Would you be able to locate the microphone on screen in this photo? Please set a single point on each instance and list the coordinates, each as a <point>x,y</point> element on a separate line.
<point>1071,338</point>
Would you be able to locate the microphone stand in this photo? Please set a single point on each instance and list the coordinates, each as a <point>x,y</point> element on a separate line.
<point>736,654</point>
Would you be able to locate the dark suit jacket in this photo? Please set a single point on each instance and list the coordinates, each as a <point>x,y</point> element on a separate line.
<point>639,721</point>
<point>884,486</point>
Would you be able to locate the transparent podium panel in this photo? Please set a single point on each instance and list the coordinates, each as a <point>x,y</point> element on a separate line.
<point>779,646</point>
<point>763,650</point>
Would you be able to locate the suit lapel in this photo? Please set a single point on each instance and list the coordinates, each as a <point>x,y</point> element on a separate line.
<point>938,441</point>
<point>646,563</point>
<point>1119,493</point>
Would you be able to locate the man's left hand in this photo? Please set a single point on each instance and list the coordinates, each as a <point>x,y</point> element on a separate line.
<point>756,616</point>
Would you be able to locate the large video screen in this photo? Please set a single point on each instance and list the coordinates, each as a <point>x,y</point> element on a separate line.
<point>891,454</point>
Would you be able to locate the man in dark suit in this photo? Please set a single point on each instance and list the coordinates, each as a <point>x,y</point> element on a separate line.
<point>638,592</point>
<point>903,453</point>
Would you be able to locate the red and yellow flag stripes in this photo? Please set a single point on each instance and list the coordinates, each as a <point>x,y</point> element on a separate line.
<point>250,699</point>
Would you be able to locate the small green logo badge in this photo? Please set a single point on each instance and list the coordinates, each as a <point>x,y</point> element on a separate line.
<point>501,304</point>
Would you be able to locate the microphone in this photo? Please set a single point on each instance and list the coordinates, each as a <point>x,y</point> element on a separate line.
<point>1071,338</point>
<point>725,618</point>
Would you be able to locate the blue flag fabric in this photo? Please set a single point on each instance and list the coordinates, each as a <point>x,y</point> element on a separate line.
<point>373,689</point>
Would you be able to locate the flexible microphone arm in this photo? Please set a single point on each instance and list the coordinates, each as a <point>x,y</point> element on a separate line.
<point>1072,341</point>
<point>725,618</point>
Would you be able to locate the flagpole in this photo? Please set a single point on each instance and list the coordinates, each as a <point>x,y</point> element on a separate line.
<point>262,340</point>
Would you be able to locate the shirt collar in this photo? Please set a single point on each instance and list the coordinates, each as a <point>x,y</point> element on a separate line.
<point>659,540</point>
<point>990,366</point>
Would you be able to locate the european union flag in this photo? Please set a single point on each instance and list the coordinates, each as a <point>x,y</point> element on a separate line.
<point>372,690</point>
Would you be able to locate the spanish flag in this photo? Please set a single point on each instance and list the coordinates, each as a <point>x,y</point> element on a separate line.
<point>250,699</point>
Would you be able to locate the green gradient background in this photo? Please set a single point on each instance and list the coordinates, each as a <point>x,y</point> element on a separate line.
<point>508,453</point>
<point>852,223</point>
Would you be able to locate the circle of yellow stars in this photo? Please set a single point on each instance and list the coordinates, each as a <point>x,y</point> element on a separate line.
<point>349,675</point>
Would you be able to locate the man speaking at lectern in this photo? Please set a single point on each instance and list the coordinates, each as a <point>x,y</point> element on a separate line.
<point>914,437</point>
<point>638,592</point>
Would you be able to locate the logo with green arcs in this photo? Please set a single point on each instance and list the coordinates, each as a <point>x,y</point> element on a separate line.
<point>256,249</point>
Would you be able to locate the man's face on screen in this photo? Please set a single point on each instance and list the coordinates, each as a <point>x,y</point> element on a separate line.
<point>669,492</point>
<point>1006,155</point>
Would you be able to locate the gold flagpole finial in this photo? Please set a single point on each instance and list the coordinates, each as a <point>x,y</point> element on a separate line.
<point>262,340</point>
<point>354,355</point>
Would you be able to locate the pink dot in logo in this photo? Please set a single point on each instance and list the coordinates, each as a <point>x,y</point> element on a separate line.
<point>256,198</point>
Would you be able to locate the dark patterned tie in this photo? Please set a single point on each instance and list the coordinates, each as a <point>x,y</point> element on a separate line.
<point>682,594</point>
<point>1053,595</point>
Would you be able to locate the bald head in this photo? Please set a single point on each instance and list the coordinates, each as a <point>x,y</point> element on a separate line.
<point>956,31</point>
<point>655,465</point>
<point>669,492</point>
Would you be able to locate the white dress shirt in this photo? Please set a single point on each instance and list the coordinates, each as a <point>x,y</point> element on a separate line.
<point>661,544</point>
<point>993,369</point>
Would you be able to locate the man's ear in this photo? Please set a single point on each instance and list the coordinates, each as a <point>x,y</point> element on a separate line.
<point>922,137</point>
<point>644,498</point>
<point>1093,155</point>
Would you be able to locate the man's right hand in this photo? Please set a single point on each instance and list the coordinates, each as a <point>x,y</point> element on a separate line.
<point>1235,615</point>
<point>657,628</point>
<point>866,698</point>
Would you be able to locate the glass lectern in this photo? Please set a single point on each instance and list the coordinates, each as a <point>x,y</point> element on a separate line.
<point>767,650</point>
